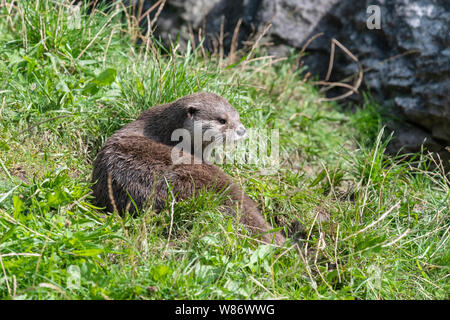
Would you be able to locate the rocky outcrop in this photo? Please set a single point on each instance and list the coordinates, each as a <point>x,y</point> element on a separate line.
<point>407,60</point>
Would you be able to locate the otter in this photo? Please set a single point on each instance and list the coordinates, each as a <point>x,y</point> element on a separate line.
<point>135,169</point>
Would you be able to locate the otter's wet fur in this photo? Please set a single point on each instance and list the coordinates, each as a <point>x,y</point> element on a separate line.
<point>136,162</point>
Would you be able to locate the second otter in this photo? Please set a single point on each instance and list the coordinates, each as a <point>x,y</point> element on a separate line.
<point>136,162</point>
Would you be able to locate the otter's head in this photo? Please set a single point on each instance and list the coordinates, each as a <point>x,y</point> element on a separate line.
<point>213,117</point>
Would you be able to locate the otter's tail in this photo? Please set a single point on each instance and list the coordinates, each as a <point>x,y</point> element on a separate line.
<point>252,217</point>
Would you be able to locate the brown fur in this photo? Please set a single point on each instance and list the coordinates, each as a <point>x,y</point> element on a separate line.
<point>136,162</point>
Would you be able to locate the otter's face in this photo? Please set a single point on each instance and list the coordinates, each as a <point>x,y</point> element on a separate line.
<point>215,119</point>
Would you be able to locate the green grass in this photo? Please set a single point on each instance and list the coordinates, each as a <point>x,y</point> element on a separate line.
<point>372,226</point>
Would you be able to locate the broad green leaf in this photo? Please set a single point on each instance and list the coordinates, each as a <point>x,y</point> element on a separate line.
<point>322,174</point>
<point>4,145</point>
<point>88,252</point>
<point>18,206</point>
<point>106,77</point>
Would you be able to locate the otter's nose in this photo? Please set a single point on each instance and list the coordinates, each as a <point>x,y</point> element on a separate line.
<point>241,131</point>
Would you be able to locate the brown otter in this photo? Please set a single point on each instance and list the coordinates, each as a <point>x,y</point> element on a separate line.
<point>135,167</point>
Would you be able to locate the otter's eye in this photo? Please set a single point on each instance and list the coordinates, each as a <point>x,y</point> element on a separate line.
<point>222,121</point>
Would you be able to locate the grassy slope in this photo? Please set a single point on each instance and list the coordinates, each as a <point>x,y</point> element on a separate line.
<point>373,227</point>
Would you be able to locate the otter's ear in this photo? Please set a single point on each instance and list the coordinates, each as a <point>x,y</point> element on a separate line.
<point>191,111</point>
